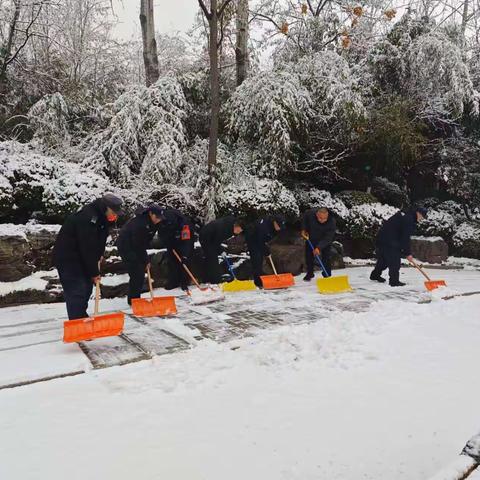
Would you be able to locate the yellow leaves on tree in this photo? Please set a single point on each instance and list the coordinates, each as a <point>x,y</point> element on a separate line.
<point>358,11</point>
<point>390,14</point>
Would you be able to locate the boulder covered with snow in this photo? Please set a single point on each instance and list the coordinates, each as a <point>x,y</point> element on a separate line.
<point>14,247</point>
<point>430,249</point>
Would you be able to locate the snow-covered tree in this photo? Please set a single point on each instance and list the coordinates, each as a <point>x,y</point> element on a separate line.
<point>272,110</point>
<point>145,135</point>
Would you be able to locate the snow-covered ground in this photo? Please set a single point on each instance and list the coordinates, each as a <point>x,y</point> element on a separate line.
<point>376,384</point>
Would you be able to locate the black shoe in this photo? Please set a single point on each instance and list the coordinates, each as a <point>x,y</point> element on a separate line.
<point>397,284</point>
<point>308,277</point>
<point>377,278</point>
<point>171,286</point>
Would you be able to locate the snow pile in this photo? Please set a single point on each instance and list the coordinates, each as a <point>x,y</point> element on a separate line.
<point>12,230</point>
<point>32,282</point>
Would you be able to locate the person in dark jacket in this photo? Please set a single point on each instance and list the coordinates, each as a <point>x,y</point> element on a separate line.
<point>177,233</point>
<point>393,242</point>
<point>212,235</point>
<point>79,248</point>
<point>257,236</point>
<point>320,227</point>
<point>132,243</point>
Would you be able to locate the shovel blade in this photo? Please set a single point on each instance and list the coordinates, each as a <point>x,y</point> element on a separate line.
<point>155,307</point>
<point>108,325</point>
<point>339,284</point>
<point>282,280</point>
<point>238,286</point>
<point>207,295</point>
<point>433,284</point>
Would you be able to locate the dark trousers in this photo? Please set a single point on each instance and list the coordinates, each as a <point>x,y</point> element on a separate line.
<point>77,289</point>
<point>136,272</point>
<point>213,273</point>
<point>388,257</point>
<point>325,257</point>
<point>256,259</point>
<point>177,276</point>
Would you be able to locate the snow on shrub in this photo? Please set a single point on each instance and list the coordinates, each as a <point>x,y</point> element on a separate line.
<point>354,198</point>
<point>48,120</point>
<point>453,208</point>
<point>145,135</point>
<point>437,224</point>
<point>45,185</point>
<point>313,197</point>
<point>389,192</point>
<point>466,240</point>
<point>258,197</point>
<point>364,221</point>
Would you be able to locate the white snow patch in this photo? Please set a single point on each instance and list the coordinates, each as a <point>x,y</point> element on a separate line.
<point>32,282</point>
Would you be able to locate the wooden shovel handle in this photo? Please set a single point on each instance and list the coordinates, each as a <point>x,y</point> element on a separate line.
<point>97,297</point>
<point>150,286</point>
<point>273,265</point>
<point>420,269</point>
<point>190,274</point>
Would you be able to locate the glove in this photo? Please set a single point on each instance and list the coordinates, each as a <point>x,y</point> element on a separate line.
<point>316,252</point>
<point>305,235</point>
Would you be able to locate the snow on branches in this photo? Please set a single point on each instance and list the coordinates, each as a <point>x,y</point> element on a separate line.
<point>273,110</point>
<point>145,136</point>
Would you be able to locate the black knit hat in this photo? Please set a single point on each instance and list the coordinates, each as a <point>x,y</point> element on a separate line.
<point>113,202</point>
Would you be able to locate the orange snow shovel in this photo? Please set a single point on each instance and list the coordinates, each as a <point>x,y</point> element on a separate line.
<point>282,280</point>
<point>429,284</point>
<point>156,306</point>
<point>108,325</point>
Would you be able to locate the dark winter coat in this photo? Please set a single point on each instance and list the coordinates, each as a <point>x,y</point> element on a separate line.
<point>176,230</point>
<point>397,231</point>
<point>213,234</point>
<point>135,238</point>
<point>259,234</point>
<point>321,234</point>
<point>81,241</point>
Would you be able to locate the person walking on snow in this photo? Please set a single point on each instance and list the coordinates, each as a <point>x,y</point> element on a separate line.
<point>320,227</point>
<point>212,235</point>
<point>79,247</point>
<point>132,243</point>
<point>176,231</point>
<point>258,235</point>
<point>393,242</point>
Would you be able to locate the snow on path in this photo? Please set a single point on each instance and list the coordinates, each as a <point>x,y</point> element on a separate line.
<point>390,392</point>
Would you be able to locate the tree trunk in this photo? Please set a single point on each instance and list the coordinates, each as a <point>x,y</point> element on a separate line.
<point>215,88</point>
<point>241,50</point>
<point>465,17</point>
<point>9,46</point>
<point>150,56</point>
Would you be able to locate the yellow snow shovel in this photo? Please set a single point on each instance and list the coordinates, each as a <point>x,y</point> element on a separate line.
<point>236,285</point>
<point>329,284</point>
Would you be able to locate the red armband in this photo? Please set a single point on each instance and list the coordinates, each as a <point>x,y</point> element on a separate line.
<point>185,235</point>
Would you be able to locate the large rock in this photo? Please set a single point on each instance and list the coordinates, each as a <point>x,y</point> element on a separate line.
<point>41,239</point>
<point>430,249</point>
<point>14,247</point>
